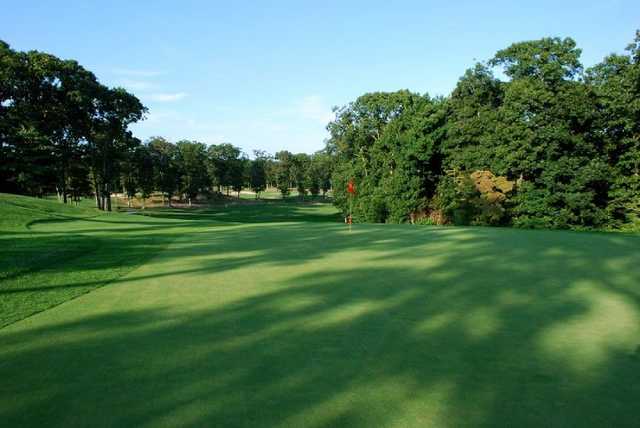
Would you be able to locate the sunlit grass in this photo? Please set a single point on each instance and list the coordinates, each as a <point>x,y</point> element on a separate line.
<point>276,315</point>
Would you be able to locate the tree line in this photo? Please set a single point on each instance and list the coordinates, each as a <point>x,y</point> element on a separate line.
<point>60,129</point>
<point>190,169</point>
<point>63,132</point>
<point>548,145</point>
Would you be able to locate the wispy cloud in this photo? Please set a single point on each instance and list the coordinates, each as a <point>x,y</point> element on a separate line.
<point>136,73</point>
<point>314,107</point>
<point>135,85</point>
<point>176,125</point>
<point>167,97</point>
<point>299,123</point>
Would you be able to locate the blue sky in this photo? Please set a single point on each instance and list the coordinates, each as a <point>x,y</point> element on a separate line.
<point>266,74</point>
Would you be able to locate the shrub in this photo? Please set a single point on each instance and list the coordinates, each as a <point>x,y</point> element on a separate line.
<point>477,198</point>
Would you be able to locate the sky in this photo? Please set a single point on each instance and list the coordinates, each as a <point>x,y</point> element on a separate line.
<point>266,74</point>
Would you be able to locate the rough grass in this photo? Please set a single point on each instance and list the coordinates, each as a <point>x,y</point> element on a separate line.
<point>51,253</point>
<point>275,315</point>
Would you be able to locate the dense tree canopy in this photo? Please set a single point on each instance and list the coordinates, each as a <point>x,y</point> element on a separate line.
<point>551,146</point>
<point>388,143</point>
<point>58,125</point>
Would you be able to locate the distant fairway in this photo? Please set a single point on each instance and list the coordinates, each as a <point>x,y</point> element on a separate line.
<point>275,315</point>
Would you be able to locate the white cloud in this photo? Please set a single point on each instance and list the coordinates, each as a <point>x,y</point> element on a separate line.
<point>298,125</point>
<point>167,97</point>
<point>313,107</point>
<point>135,85</point>
<point>136,73</point>
<point>176,125</point>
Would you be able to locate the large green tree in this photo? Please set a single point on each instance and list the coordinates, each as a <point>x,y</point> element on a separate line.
<point>144,175</point>
<point>388,143</point>
<point>616,81</point>
<point>191,158</point>
<point>283,168</point>
<point>53,114</point>
<point>165,165</point>
<point>537,128</point>
<point>110,138</point>
<point>258,172</point>
<point>223,165</point>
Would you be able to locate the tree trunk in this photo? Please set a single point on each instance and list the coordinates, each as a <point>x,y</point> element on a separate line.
<point>64,185</point>
<point>96,189</point>
<point>107,195</point>
<point>99,198</point>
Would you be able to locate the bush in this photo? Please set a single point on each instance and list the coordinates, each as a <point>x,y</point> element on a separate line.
<point>478,198</point>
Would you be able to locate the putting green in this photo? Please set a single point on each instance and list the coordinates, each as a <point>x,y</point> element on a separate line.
<point>263,320</point>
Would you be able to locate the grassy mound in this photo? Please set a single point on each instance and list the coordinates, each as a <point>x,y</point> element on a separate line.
<point>51,253</point>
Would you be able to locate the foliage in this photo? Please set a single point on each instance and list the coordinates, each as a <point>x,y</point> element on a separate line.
<point>388,143</point>
<point>258,172</point>
<point>54,115</point>
<point>165,164</point>
<point>191,158</point>
<point>571,139</point>
<point>283,172</point>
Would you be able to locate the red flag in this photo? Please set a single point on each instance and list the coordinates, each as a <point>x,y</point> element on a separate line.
<point>351,188</point>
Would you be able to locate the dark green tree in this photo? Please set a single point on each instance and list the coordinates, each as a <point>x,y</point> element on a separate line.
<point>222,164</point>
<point>388,143</point>
<point>300,172</point>
<point>257,173</point>
<point>165,166</point>
<point>616,81</point>
<point>191,158</point>
<point>284,160</point>
<point>237,173</point>
<point>145,177</point>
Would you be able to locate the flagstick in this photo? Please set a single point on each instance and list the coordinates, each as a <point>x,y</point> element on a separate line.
<point>351,190</point>
<point>350,211</point>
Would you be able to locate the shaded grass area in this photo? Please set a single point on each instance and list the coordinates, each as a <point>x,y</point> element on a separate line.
<point>247,322</point>
<point>269,194</point>
<point>260,212</point>
<point>274,194</point>
<point>51,253</point>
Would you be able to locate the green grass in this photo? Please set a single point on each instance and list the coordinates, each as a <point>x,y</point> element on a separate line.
<point>275,315</point>
<point>274,194</point>
<point>269,194</point>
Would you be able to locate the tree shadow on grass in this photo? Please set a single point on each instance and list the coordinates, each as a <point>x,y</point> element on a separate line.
<point>162,218</point>
<point>422,327</point>
<point>268,212</point>
<point>62,257</point>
